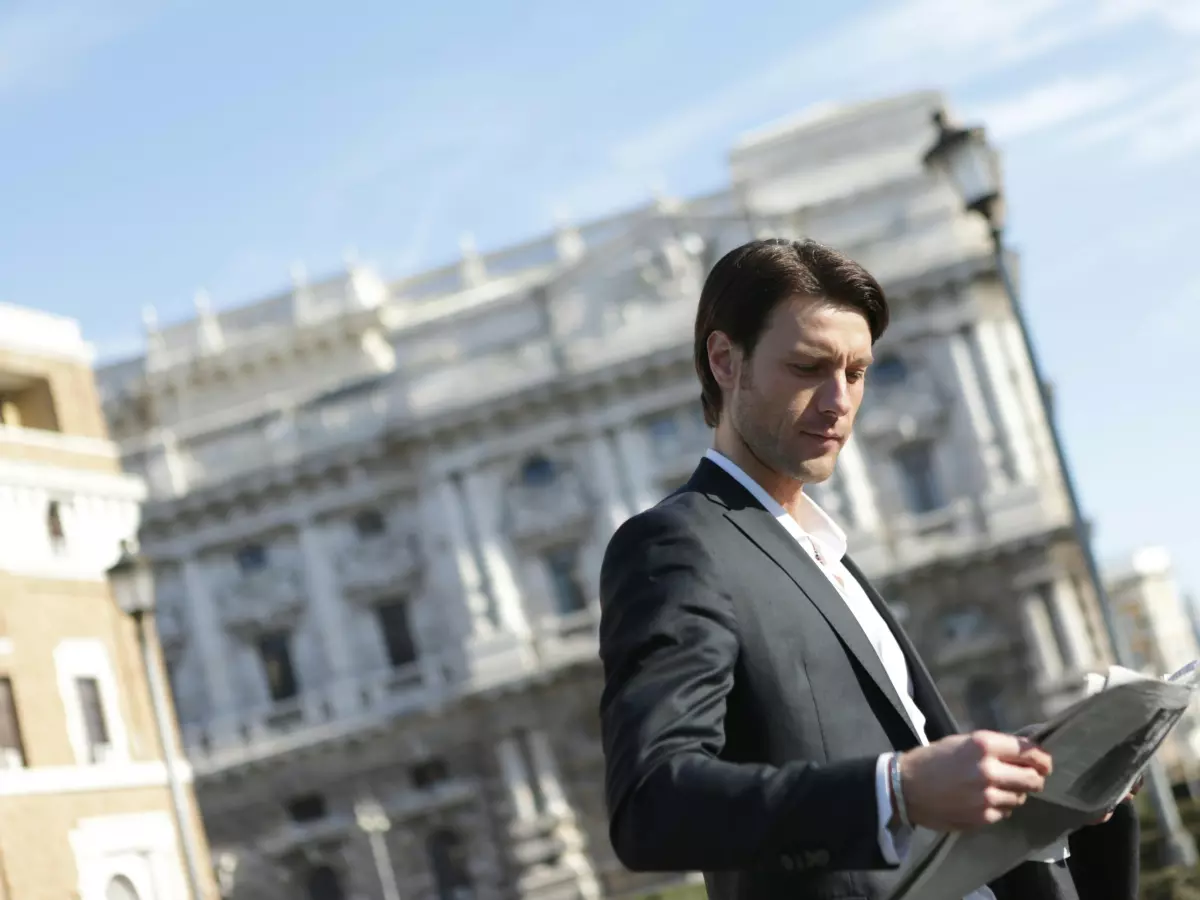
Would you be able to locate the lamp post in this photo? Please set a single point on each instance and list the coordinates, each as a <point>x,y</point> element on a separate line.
<point>372,819</point>
<point>132,582</point>
<point>964,157</point>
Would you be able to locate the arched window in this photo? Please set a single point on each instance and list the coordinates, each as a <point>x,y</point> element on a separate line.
<point>448,860</point>
<point>324,884</point>
<point>985,704</point>
<point>121,888</point>
<point>538,472</point>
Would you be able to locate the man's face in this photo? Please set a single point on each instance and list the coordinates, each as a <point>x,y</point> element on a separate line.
<point>793,402</point>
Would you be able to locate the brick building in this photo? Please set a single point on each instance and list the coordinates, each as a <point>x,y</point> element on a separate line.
<point>85,810</point>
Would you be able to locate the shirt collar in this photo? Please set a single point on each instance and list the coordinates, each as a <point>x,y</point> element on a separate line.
<point>810,520</point>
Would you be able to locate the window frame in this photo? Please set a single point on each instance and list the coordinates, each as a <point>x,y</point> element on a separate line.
<point>77,658</point>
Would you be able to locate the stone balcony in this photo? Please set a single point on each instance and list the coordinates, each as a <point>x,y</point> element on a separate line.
<point>330,712</point>
<point>264,600</point>
<point>539,515</point>
<point>376,566</point>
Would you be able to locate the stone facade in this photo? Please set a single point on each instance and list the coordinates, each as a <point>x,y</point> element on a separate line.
<point>1148,602</point>
<point>378,512</point>
<point>85,810</point>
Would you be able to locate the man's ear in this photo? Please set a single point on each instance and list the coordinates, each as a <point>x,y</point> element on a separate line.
<point>724,358</point>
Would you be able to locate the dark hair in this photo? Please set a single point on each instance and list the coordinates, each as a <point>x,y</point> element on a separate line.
<point>746,285</point>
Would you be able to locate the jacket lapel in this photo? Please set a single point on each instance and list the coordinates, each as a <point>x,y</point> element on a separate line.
<point>939,720</point>
<point>760,527</point>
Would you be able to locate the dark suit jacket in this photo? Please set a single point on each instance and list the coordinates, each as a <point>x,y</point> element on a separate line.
<point>744,709</point>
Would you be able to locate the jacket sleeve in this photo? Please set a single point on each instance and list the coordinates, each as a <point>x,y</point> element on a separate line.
<point>669,645</point>
<point>1104,858</point>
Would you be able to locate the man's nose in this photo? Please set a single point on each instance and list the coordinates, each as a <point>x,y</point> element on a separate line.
<point>834,396</point>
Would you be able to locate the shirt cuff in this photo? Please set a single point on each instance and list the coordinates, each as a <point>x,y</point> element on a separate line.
<point>893,842</point>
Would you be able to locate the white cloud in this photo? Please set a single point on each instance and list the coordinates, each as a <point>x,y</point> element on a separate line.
<point>900,45</point>
<point>43,43</point>
<point>1065,100</point>
<point>1158,128</point>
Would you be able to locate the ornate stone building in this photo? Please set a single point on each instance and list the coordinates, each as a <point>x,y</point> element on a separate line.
<point>85,806</point>
<point>378,511</point>
<point>1147,599</point>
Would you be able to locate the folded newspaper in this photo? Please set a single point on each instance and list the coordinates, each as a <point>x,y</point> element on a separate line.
<point>1100,747</point>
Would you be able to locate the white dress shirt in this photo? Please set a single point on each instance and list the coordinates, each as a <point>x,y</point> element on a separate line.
<point>825,543</point>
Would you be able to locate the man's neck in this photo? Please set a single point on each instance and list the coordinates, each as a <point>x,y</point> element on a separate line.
<point>785,491</point>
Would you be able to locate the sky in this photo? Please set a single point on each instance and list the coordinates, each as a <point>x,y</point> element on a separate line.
<point>152,149</point>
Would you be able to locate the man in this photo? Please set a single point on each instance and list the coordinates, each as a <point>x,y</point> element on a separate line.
<point>765,719</point>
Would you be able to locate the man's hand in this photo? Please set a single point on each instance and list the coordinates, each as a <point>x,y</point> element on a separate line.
<point>973,779</point>
<point>1137,786</point>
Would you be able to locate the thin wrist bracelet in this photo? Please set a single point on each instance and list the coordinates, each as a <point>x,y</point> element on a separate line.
<point>898,791</point>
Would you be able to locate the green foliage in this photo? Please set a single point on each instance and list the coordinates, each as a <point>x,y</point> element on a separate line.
<point>1160,883</point>
<point>1171,884</point>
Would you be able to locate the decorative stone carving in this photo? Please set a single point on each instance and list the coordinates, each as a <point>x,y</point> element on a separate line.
<point>371,567</point>
<point>910,402</point>
<point>546,502</point>
<point>968,633</point>
<point>264,600</point>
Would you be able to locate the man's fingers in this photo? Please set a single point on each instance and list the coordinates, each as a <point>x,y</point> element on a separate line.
<point>1012,777</point>
<point>1016,750</point>
<point>999,798</point>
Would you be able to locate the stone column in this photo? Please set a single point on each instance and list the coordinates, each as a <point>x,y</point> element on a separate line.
<point>1012,346</point>
<point>546,772</point>
<point>1015,426</point>
<point>482,499</point>
<point>978,413</point>
<point>633,455</point>
<point>1072,626</point>
<point>211,641</point>
<point>605,481</point>
<point>329,612</point>
<point>1039,631</point>
<point>454,547</point>
<point>516,779</point>
<point>859,495</point>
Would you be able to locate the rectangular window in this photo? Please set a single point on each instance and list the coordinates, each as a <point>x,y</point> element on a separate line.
<point>370,523</point>
<point>275,651</point>
<point>922,492</point>
<point>306,808</point>
<point>426,774</point>
<point>396,630</point>
<point>12,748</point>
<point>95,724</point>
<point>562,569</point>
<point>251,558</point>
<point>54,527</point>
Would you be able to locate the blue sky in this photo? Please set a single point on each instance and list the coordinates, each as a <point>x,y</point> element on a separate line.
<point>151,149</point>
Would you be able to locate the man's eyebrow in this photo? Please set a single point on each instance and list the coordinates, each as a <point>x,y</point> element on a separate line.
<point>817,352</point>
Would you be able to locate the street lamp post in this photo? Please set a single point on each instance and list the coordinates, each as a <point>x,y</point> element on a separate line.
<point>133,587</point>
<point>965,158</point>
<point>372,819</point>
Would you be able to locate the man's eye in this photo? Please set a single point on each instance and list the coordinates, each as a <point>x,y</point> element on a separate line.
<point>801,369</point>
<point>855,376</point>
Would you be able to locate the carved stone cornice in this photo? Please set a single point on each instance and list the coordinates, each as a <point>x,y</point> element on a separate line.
<point>266,600</point>
<point>372,568</point>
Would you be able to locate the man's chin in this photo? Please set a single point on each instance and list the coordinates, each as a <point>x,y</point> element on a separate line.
<point>815,471</point>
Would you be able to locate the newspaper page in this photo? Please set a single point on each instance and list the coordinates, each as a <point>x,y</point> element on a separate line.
<point>1100,747</point>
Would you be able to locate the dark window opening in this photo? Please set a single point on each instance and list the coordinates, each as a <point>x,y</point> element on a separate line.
<point>275,651</point>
